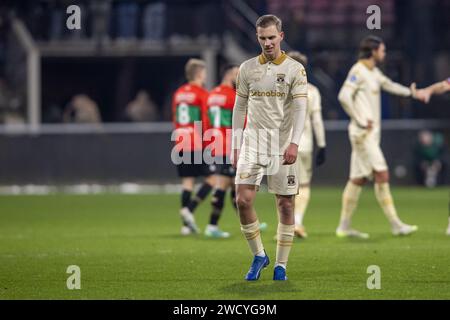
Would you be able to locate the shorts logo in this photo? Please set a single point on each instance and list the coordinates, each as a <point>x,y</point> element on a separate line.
<point>291,181</point>
<point>280,77</point>
<point>244,175</point>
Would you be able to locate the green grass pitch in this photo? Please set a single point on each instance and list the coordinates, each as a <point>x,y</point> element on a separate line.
<point>129,247</point>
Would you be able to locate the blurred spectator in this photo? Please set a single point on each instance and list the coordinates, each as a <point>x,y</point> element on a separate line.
<point>429,159</point>
<point>82,109</point>
<point>154,21</point>
<point>142,108</point>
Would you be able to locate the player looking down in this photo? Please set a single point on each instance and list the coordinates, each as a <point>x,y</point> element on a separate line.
<point>272,96</point>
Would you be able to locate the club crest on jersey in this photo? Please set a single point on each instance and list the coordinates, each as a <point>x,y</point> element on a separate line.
<point>291,180</point>
<point>280,77</point>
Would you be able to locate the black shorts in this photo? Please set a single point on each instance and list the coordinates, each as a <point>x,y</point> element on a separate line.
<point>192,169</point>
<point>223,167</point>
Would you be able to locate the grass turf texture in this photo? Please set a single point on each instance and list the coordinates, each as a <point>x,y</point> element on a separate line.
<point>129,247</point>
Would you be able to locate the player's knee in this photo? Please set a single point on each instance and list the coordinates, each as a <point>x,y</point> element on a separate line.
<point>382,177</point>
<point>243,202</point>
<point>359,181</point>
<point>286,206</point>
<point>218,199</point>
<point>210,180</point>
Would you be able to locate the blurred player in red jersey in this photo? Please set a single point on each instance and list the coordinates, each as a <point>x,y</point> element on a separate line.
<point>188,107</point>
<point>219,112</point>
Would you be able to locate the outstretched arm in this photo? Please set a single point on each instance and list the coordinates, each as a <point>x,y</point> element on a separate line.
<point>437,88</point>
<point>394,87</point>
<point>400,90</point>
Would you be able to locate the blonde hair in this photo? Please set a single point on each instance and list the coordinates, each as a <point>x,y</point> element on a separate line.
<point>193,66</point>
<point>269,20</point>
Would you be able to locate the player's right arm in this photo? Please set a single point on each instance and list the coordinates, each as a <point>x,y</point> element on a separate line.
<point>239,114</point>
<point>347,99</point>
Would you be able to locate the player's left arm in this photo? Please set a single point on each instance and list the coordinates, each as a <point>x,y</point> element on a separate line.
<point>299,94</point>
<point>399,89</point>
<point>393,87</point>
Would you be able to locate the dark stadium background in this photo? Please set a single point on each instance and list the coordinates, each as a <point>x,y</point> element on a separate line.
<point>127,46</point>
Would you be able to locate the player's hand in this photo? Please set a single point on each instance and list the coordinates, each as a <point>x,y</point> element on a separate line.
<point>369,125</point>
<point>320,156</point>
<point>424,95</point>
<point>413,89</point>
<point>234,157</point>
<point>290,155</point>
<point>420,94</point>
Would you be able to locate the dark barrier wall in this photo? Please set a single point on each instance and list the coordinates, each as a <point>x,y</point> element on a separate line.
<point>54,159</point>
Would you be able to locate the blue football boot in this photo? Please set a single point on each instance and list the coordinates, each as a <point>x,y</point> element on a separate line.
<point>255,269</point>
<point>279,273</point>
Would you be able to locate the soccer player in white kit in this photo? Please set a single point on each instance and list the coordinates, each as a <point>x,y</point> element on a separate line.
<point>360,98</point>
<point>272,96</point>
<point>314,123</point>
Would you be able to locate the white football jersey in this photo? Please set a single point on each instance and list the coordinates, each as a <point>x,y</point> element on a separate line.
<point>270,87</point>
<point>365,85</point>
